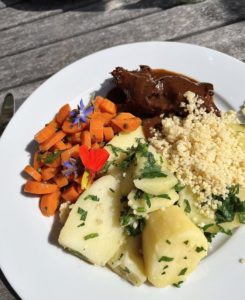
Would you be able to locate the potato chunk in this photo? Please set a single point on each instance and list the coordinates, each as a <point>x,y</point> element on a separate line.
<point>92,230</point>
<point>172,246</point>
<point>128,263</point>
<point>147,203</point>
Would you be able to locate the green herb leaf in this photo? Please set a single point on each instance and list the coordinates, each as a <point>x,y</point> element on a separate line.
<point>141,210</point>
<point>113,191</point>
<point>165,258</point>
<point>221,229</point>
<point>51,157</point>
<point>91,236</point>
<point>200,249</point>
<point>92,197</point>
<point>165,196</point>
<point>126,270</point>
<point>182,272</point>
<point>80,225</point>
<point>178,284</point>
<point>116,150</point>
<point>168,242</point>
<point>152,171</point>
<point>186,242</point>
<point>241,217</point>
<point>83,213</point>
<point>178,187</point>
<point>187,206</point>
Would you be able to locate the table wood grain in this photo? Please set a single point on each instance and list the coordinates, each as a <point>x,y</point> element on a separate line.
<point>38,38</point>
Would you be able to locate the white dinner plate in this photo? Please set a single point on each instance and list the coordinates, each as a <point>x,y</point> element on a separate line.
<point>31,260</point>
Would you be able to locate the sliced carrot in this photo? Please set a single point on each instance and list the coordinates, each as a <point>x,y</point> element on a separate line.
<point>72,152</point>
<point>46,132</point>
<point>108,106</point>
<point>68,127</point>
<point>62,146</point>
<point>33,173</point>
<point>86,138</point>
<point>76,138</point>
<point>78,179</point>
<point>56,137</point>
<point>95,146</point>
<point>48,173</point>
<point>126,125</point>
<point>105,117</point>
<point>49,203</point>
<point>78,188</point>
<point>63,114</point>
<point>36,162</point>
<point>40,188</point>
<point>70,194</point>
<point>96,130</point>
<point>55,164</point>
<point>98,100</point>
<point>61,180</point>
<point>125,116</point>
<point>108,133</point>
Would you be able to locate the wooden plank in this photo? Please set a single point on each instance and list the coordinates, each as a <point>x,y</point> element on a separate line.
<point>33,35</point>
<point>6,3</point>
<point>26,12</point>
<point>229,39</point>
<point>20,93</point>
<point>42,62</point>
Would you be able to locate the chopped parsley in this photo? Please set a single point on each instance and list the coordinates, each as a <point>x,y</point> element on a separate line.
<point>121,255</point>
<point>113,191</point>
<point>92,197</point>
<point>222,229</point>
<point>185,257</point>
<point>182,272</point>
<point>116,150</point>
<point>209,236</point>
<point>141,209</point>
<point>91,236</point>
<point>83,213</point>
<point>200,249</point>
<point>186,242</point>
<point>241,217</point>
<point>165,267</point>
<point>178,284</point>
<point>126,270</point>
<point>81,225</point>
<point>163,273</point>
<point>50,157</point>
<point>168,242</point>
<point>165,196</point>
<point>133,224</point>
<point>230,206</point>
<point>106,167</point>
<point>151,171</point>
<point>142,195</point>
<point>187,206</point>
<point>178,187</point>
<point>165,258</point>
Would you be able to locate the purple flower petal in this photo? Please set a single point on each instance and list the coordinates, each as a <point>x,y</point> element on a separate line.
<point>67,164</point>
<point>81,105</point>
<point>83,118</point>
<point>88,111</point>
<point>76,120</point>
<point>73,113</point>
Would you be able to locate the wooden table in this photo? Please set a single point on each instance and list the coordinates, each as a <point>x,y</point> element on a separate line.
<point>38,38</point>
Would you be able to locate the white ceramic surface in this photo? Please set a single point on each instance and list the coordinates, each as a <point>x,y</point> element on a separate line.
<point>29,257</point>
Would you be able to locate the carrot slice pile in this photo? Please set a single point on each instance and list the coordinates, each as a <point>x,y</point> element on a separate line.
<point>57,171</point>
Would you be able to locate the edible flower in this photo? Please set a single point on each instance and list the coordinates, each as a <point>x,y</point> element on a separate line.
<point>71,167</point>
<point>80,114</point>
<point>93,161</point>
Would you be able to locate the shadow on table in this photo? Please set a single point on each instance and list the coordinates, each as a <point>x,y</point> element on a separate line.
<point>8,286</point>
<point>93,5</point>
<point>235,7</point>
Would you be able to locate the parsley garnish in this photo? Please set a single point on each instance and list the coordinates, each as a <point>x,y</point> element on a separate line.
<point>221,229</point>
<point>152,171</point>
<point>241,217</point>
<point>165,258</point>
<point>200,249</point>
<point>165,196</point>
<point>168,242</point>
<point>91,236</point>
<point>165,267</point>
<point>178,284</point>
<point>186,242</point>
<point>126,270</point>
<point>113,191</point>
<point>187,206</point>
<point>80,225</point>
<point>51,157</point>
<point>116,150</point>
<point>182,272</point>
<point>178,187</point>
<point>141,209</point>
<point>133,224</point>
<point>83,213</point>
<point>92,197</point>
<point>230,206</point>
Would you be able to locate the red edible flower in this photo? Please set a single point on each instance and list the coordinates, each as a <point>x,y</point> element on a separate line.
<point>93,159</point>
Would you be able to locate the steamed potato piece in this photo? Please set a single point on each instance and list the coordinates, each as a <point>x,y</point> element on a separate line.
<point>172,246</point>
<point>194,214</point>
<point>102,220</point>
<point>123,141</point>
<point>158,185</point>
<point>156,202</point>
<point>128,263</point>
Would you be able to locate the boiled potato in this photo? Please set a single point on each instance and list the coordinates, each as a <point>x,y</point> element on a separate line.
<point>194,214</point>
<point>172,246</point>
<point>123,141</point>
<point>158,185</point>
<point>155,202</point>
<point>128,263</point>
<point>92,229</point>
